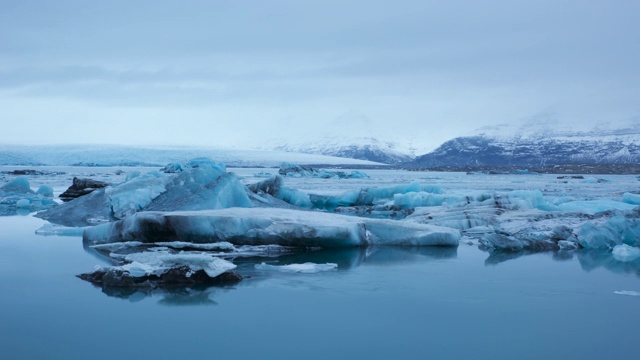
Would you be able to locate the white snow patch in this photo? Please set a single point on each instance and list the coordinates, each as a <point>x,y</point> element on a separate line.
<point>307,268</point>
<point>158,262</point>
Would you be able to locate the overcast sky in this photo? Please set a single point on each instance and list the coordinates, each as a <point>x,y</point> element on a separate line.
<point>237,73</point>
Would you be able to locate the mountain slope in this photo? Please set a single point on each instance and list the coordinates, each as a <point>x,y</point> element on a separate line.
<point>539,148</point>
<point>363,148</point>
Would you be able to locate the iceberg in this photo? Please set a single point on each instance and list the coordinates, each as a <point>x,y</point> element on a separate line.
<point>625,253</point>
<point>19,185</point>
<point>420,199</point>
<point>269,226</point>
<point>135,194</point>
<point>164,267</point>
<point>629,198</point>
<point>203,184</point>
<point>16,197</point>
<point>622,228</point>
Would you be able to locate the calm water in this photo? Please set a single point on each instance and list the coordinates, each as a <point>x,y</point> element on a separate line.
<point>379,304</point>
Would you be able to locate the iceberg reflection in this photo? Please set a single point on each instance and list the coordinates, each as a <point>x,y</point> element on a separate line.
<point>203,294</point>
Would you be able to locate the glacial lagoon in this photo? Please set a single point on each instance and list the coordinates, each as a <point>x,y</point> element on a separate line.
<point>378,302</point>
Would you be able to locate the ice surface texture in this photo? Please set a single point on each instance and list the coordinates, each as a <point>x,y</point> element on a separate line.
<point>203,184</point>
<point>307,267</point>
<point>264,226</point>
<point>295,170</point>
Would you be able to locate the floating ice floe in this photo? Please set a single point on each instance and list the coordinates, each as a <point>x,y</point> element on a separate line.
<point>627,292</point>
<point>152,269</point>
<point>625,253</point>
<point>264,226</point>
<point>306,268</point>
<point>52,229</point>
<point>629,198</point>
<point>607,232</point>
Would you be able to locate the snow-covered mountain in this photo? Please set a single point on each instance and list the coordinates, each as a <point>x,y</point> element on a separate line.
<point>363,148</point>
<point>539,146</point>
<point>115,155</point>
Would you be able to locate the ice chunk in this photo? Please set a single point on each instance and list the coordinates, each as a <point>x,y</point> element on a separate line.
<point>274,186</point>
<point>45,190</point>
<point>592,207</point>
<point>153,269</point>
<point>264,226</point>
<point>307,268</point>
<point>159,262</point>
<point>619,229</point>
<point>172,168</point>
<point>629,198</point>
<point>370,196</point>
<point>205,185</point>
<point>91,209</point>
<point>136,193</point>
<point>17,197</point>
<point>625,253</point>
<point>567,245</point>
<point>23,203</point>
<point>502,242</point>
<point>132,175</point>
<point>202,185</point>
<point>627,292</point>
<point>18,185</point>
<point>52,229</point>
<point>295,170</point>
<point>416,199</point>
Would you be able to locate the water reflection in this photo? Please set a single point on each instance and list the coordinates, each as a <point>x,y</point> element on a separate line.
<point>593,259</point>
<point>347,259</point>
<point>13,211</point>
<point>170,296</point>
<point>589,259</point>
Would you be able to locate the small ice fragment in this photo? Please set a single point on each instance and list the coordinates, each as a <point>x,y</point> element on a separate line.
<point>630,198</point>
<point>627,292</point>
<point>18,185</point>
<point>45,190</point>
<point>307,268</point>
<point>51,229</point>
<point>625,253</point>
<point>23,203</point>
